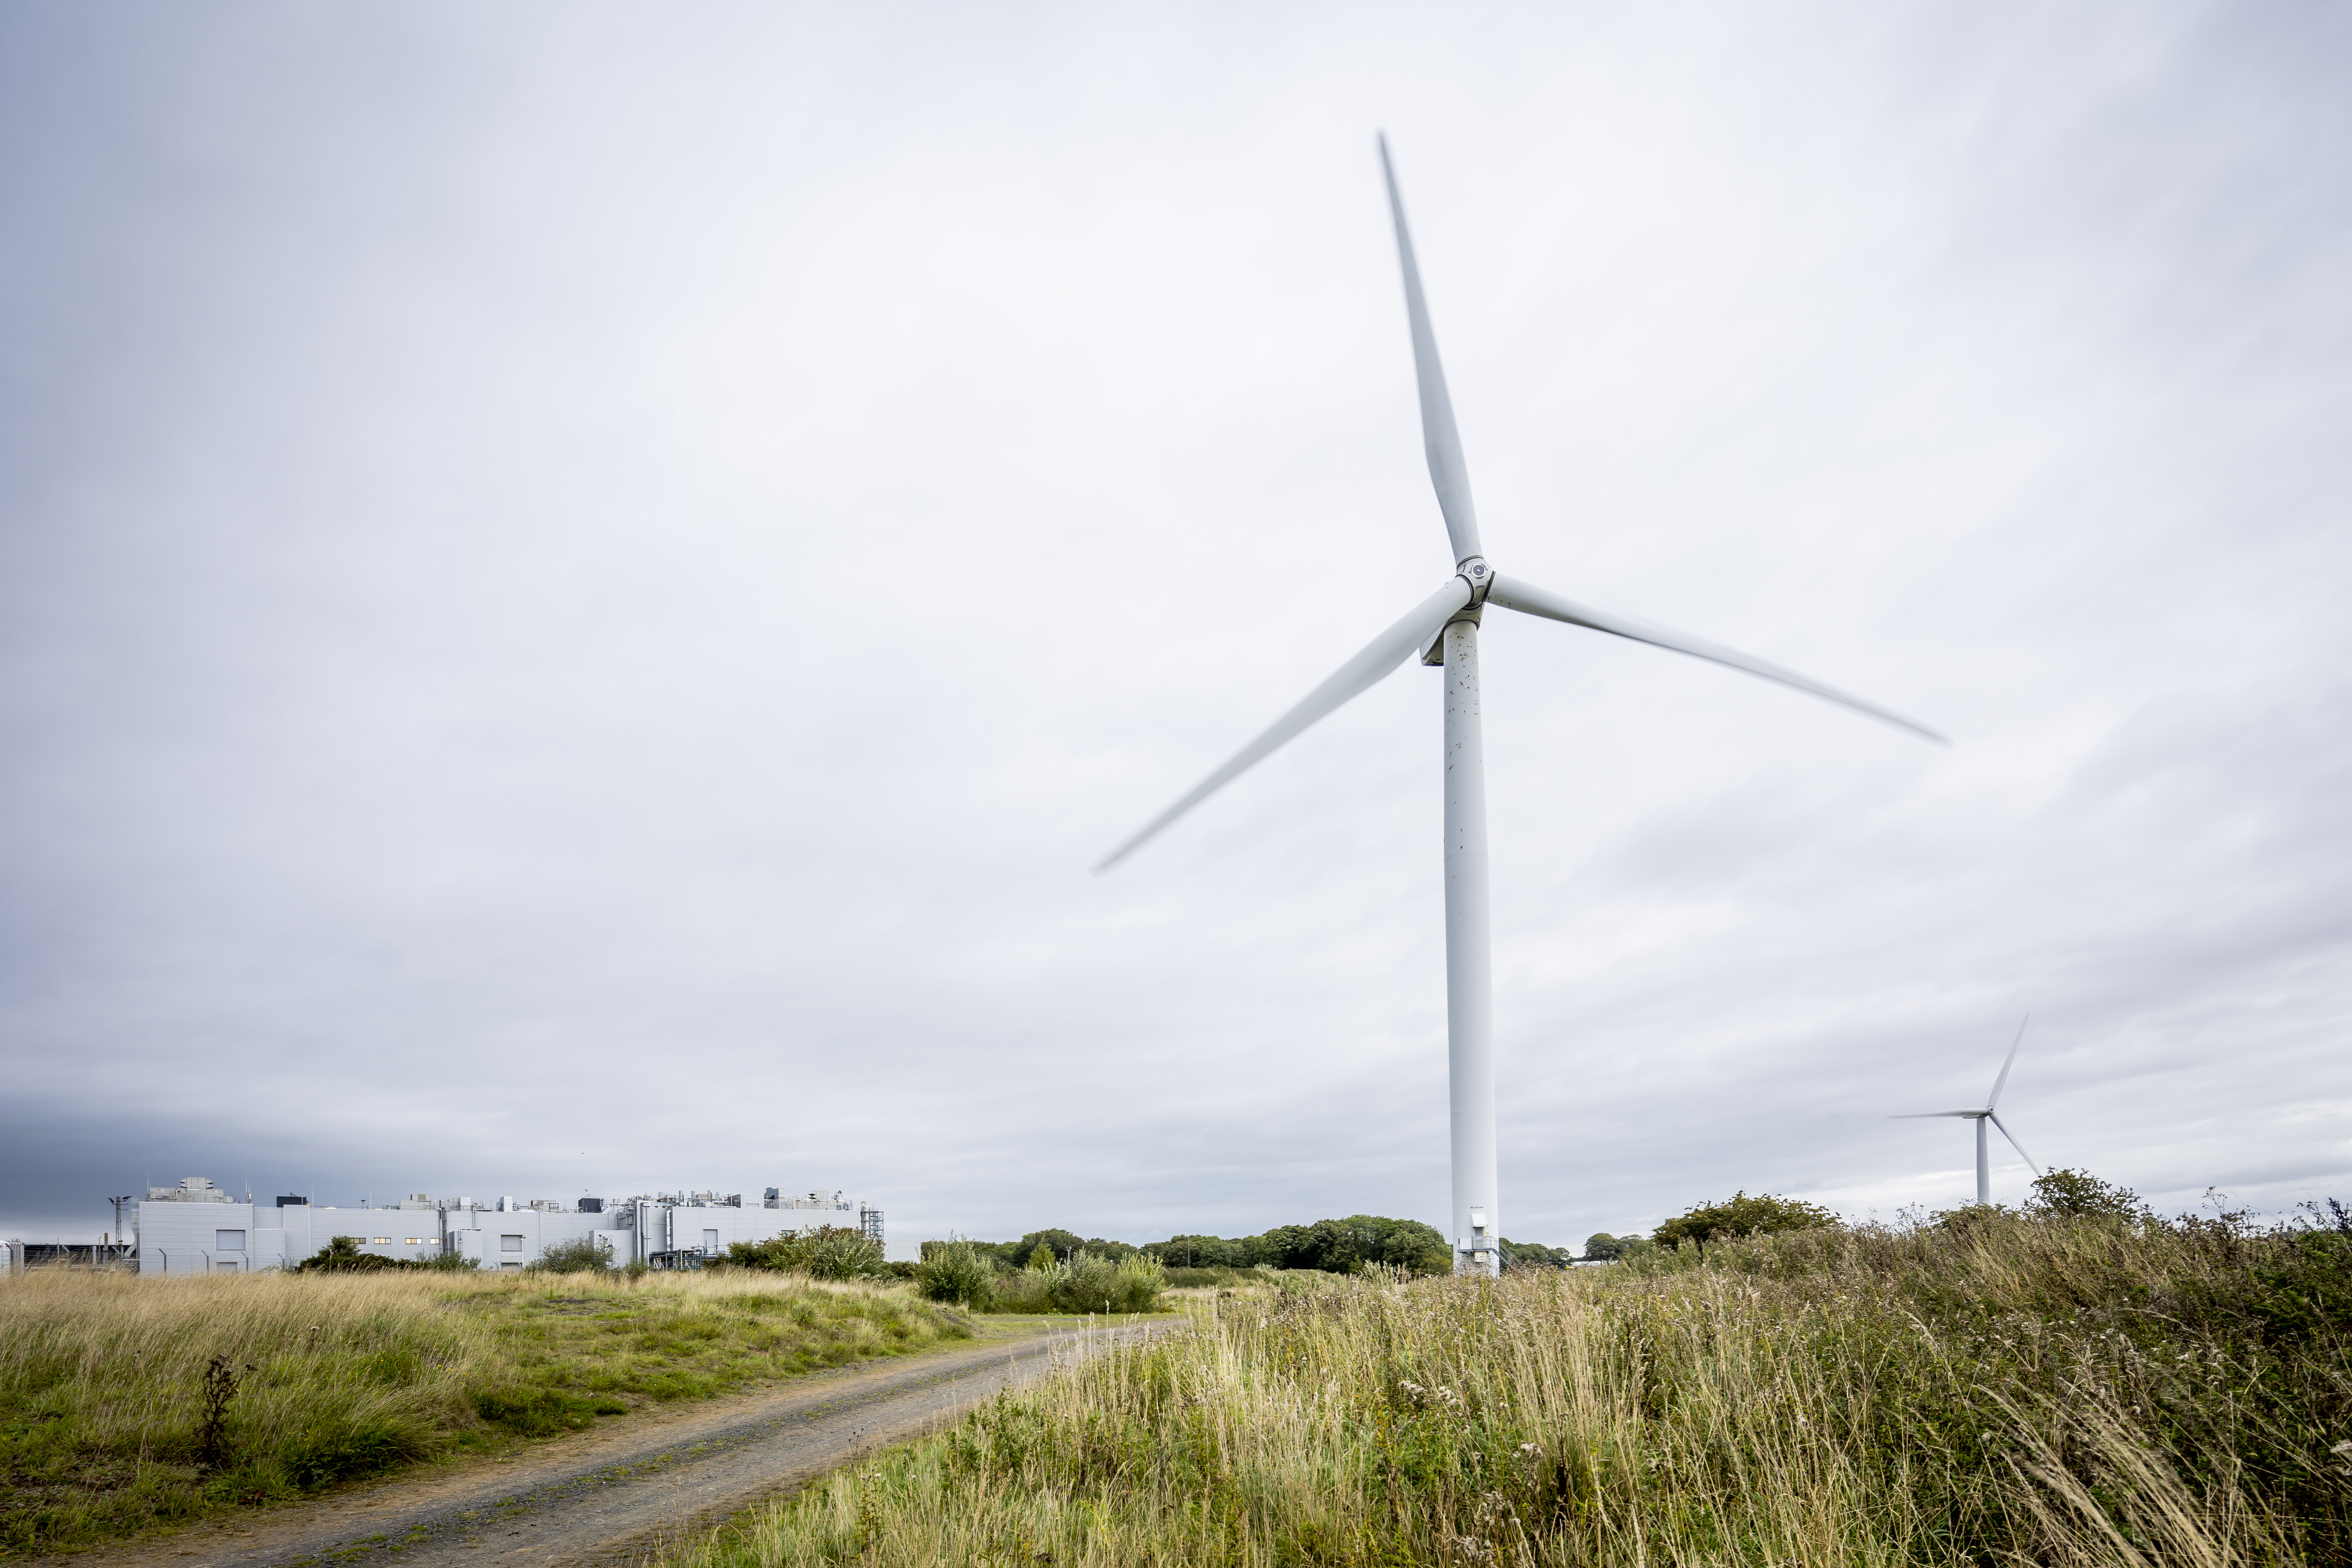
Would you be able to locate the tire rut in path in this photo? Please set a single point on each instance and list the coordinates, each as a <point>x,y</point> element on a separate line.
<point>625,1500</point>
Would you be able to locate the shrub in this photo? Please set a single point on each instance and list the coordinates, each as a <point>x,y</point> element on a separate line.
<point>2075,1195</point>
<point>576,1257</point>
<point>1739,1215</point>
<point>342,1256</point>
<point>957,1272</point>
<point>1195,1279</point>
<point>1534,1254</point>
<point>823,1252</point>
<point>447,1263</point>
<point>1085,1284</point>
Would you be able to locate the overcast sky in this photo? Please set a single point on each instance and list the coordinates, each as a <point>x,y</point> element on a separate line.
<point>581,585</point>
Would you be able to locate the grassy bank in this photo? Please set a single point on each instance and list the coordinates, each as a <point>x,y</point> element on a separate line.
<point>103,1377</point>
<point>2064,1392</point>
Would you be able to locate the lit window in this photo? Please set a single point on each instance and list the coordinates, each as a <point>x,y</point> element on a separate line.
<point>379,1241</point>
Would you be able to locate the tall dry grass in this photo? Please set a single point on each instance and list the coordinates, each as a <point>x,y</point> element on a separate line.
<point>2068,1394</point>
<point>102,1374</point>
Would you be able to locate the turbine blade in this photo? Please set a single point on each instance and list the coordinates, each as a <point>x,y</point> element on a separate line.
<point>1513,593</point>
<point>2012,1060</point>
<point>1919,1115</point>
<point>1360,674</point>
<point>1447,473</point>
<point>2016,1145</point>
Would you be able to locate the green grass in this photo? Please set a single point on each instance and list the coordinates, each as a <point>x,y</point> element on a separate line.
<point>2063,1392</point>
<point>338,1376</point>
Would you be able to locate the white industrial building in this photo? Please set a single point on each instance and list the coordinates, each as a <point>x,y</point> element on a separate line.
<point>196,1228</point>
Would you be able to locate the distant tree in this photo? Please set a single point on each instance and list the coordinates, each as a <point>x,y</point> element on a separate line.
<point>1405,1244</point>
<point>1201,1252</point>
<point>2069,1194</point>
<point>1740,1215</point>
<point>1332,1246</point>
<point>1061,1244</point>
<point>1041,1258</point>
<point>1282,1246</point>
<point>1534,1254</point>
<point>1602,1247</point>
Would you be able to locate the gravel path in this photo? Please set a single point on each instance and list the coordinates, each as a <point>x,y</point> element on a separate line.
<point>622,1493</point>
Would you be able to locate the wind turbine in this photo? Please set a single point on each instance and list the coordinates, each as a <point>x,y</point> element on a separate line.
<point>1984,1161</point>
<point>1443,629</point>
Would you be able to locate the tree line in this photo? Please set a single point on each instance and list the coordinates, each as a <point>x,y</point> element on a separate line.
<point>2060,1194</point>
<point>1332,1246</point>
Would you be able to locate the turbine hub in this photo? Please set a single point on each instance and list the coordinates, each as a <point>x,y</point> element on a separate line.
<point>1474,570</point>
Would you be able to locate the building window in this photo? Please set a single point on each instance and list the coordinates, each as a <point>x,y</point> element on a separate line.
<point>228,1241</point>
<point>510,1244</point>
<point>710,1241</point>
<point>413,1240</point>
<point>224,1265</point>
<point>511,1267</point>
<point>379,1241</point>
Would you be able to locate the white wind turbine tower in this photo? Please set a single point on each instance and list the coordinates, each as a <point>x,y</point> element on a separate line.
<point>1985,1114</point>
<point>1444,629</point>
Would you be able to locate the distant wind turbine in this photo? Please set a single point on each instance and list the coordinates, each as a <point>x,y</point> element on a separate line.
<point>1984,1163</point>
<point>1443,629</point>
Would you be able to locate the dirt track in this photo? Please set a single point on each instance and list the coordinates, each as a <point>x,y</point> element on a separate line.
<point>622,1492</point>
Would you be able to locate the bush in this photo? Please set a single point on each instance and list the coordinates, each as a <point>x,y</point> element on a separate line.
<point>342,1256</point>
<point>447,1263</point>
<point>1085,1284</point>
<point>1197,1278</point>
<point>2076,1194</point>
<point>1739,1215</point>
<point>957,1272</point>
<point>824,1252</point>
<point>1534,1254</point>
<point>577,1257</point>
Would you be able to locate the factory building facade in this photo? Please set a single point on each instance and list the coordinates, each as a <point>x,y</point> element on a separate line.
<point>196,1228</point>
